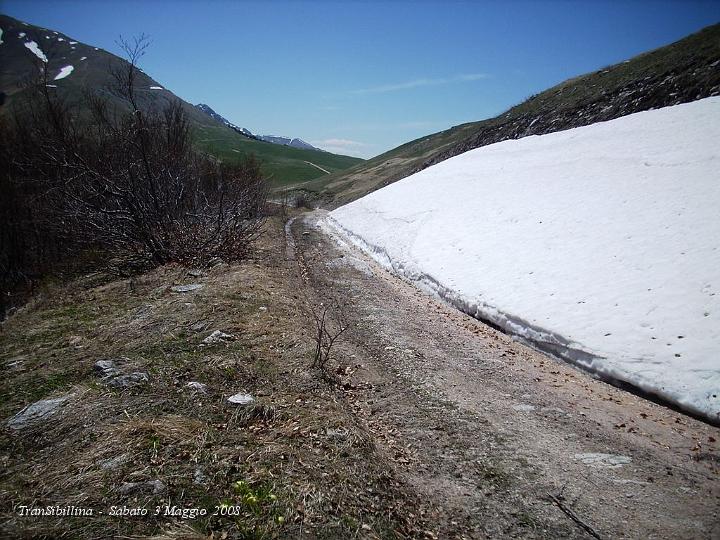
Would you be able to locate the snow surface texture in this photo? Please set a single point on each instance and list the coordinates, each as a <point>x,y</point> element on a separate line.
<point>64,72</point>
<point>36,50</point>
<point>600,244</point>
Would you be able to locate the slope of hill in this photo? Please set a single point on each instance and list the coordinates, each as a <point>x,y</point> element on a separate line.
<point>678,73</point>
<point>75,67</point>
<point>274,139</point>
<point>212,114</point>
<point>600,244</point>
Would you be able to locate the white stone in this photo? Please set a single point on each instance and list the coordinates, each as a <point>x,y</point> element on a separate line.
<point>217,337</point>
<point>186,288</point>
<point>241,399</point>
<point>198,387</point>
<point>608,461</point>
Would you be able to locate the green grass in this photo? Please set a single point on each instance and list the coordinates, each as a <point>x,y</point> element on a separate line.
<point>283,165</point>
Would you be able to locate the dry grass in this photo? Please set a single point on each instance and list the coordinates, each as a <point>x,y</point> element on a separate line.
<point>297,461</point>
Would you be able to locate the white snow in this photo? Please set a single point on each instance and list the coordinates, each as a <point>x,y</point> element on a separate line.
<point>1,33</point>
<point>600,244</point>
<point>84,58</point>
<point>21,35</point>
<point>64,72</point>
<point>60,39</point>
<point>72,42</point>
<point>156,88</point>
<point>36,50</point>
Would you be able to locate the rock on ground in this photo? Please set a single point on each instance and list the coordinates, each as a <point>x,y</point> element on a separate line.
<point>217,337</point>
<point>186,288</point>
<point>37,412</point>
<point>241,399</point>
<point>154,486</point>
<point>197,387</point>
<point>113,376</point>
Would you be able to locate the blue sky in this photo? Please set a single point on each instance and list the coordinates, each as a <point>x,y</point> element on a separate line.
<point>363,77</point>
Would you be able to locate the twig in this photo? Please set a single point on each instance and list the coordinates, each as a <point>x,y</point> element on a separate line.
<point>572,515</point>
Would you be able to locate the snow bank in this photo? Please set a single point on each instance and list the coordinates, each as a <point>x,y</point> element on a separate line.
<point>64,72</point>
<point>36,50</point>
<point>600,244</point>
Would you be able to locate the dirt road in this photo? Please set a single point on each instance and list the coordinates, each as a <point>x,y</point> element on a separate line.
<point>502,441</point>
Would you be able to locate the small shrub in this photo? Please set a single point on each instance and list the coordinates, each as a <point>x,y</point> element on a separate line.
<point>330,324</point>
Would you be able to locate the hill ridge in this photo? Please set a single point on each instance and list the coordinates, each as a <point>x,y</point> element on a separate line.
<point>680,72</point>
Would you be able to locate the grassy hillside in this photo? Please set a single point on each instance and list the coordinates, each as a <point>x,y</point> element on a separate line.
<point>284,165</point>
<point>92,70</point>
<point>684,71</point>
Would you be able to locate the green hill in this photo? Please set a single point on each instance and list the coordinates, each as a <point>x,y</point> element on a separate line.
<point>284,165</point>
<point>92,70</point>
<point>681,72</point>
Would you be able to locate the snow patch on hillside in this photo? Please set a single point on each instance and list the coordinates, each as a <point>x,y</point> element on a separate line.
<point>36,50</point>
<point>1,33</point>
<point>599,244</point>
<point>64,72</point>
<point>156,88</point>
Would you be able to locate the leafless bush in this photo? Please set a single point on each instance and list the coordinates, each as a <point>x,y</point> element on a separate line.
<point>302,200</point>
<point>283,204</point>
<point>121,178</point>
<point>330,324</point>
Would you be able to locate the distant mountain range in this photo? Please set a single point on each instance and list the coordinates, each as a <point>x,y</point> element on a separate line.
<point>274,139</point>
<point>76,67</point>
<point>287,141</point>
